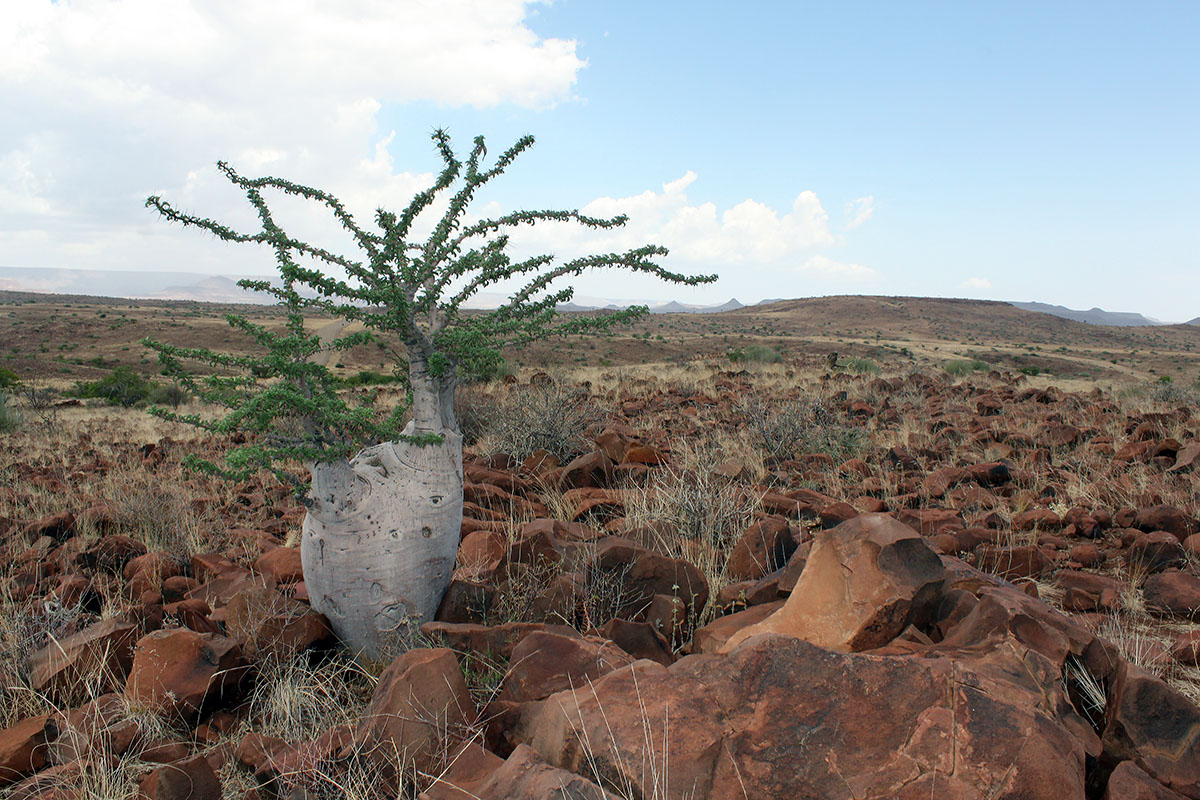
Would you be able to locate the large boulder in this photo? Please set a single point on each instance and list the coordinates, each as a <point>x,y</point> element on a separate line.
<point>546,662</point>
<point>24,747</point>
<point>1173,593</point>
<point>864,582</point>
<point>268,624</point>
<point>1156,727</point>
<point>780,717</point>
<point>96,659</point>
<point>1129,782</point>
<point>418,713</point>
<point>179,671</point>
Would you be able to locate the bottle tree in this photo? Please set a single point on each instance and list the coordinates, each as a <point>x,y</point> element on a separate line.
<point>384,506</point>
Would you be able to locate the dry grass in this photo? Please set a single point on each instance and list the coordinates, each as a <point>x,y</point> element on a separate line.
<point>552,416</point>
<point>694,513</point>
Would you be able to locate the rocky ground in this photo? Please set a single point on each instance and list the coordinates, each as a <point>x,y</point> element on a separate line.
<point>768,582</point>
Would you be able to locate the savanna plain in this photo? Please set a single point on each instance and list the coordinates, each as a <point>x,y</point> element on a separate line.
<point>843,547</point>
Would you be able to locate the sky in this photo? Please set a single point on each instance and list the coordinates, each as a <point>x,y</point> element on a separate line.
<point>1044,151</point>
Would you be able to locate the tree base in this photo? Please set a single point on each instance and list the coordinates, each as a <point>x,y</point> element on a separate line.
<point>381,537</point>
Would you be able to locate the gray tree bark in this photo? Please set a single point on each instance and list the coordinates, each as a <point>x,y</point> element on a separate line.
<point>381,536</point>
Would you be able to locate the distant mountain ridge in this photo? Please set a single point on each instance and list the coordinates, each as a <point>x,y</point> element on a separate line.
<point>1094,316</point>
<point>201,287</point>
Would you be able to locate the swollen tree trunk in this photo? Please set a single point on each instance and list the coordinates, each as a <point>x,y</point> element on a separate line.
<point>382,531</point>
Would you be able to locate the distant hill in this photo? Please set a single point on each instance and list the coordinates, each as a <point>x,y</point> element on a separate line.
<point>1195,321</point>
<point>1094,316</point>
<point>139,284</point>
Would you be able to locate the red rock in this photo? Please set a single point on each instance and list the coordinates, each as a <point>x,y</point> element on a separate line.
<point>764,547</point>
<point>1156,551</point>
<point>1173,593</point>
<point>23,747</point>
<point>1059,435</point>
<point>1154,726</point>
<point>1013,563</point>
<point>266,623</point>
<point>643,573</point>
<point>282,565</point>
<point>1037,518</point>
<point>863,582</point>
<point>1165,518</point>
<point>60,527</point>
<point>177,671</point>
<point>1129,782</point>
<point>420,704</point>
<point>713,636</point>
<point>1186,458</point>
<point>523,776</point>
<point>1186,649</point>
<point>545,663</point>
<point>786,699</point>
<point>1088,555</point>
<point>190,779</point>
<point>97,657</point>
<point>930,520</point>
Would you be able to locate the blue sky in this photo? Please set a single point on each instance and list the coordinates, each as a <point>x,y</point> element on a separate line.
<point>1012,151</point>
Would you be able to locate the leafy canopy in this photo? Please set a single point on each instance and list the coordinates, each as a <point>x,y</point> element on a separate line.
<point>407,293</point>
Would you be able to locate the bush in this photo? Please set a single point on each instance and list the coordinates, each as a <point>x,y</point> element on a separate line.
<point>485,371</point>
<point>172,395</point>
<point>1174,393</point>
<point>861,366</point>
<point>761,354</point>
<point>1030,371</point>
<point>962,367</point>
<point>371,378</point>
<point>547,416</point>
<point>10,420</point>
<point>8,378</point>
<point>122,387</point>
<point>789,428</point>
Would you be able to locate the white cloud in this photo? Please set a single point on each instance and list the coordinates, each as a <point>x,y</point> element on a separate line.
<point>752,246</point>
<point>859,211</point>
<point>749,232</point>
<point>107,101</point>
<point>975,283</point>
<point>826,266</point>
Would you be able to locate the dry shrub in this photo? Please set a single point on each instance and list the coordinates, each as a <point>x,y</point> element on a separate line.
<point>156,513</point>
<point>784,429</point>
<point>548,416</point>
<point>694,513</point>
<point>26,628</point>
<point>303,695</point>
